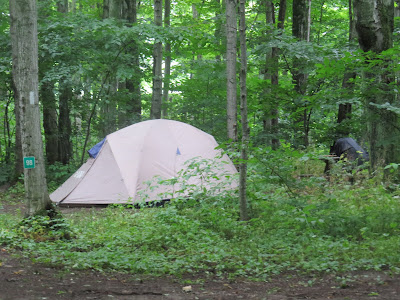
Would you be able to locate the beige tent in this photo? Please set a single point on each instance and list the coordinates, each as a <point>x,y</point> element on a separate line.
<point>132,158</point>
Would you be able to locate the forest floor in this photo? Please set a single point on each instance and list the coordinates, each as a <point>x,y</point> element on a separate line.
<point>20,278</point>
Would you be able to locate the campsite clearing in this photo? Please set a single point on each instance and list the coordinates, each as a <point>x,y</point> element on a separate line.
<point>20,278</point>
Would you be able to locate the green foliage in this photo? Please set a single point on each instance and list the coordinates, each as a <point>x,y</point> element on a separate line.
<point>303,224</point>
<point>58,173</point>
<point>44,228</point>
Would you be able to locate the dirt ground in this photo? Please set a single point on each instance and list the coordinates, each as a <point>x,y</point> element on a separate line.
<point>22,279</point>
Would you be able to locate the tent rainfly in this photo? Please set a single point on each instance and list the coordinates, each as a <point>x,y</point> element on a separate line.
<point>123,163</point>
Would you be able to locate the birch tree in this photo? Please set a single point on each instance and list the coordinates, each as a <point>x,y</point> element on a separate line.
<point>243,112</point>
<point>231,85</point>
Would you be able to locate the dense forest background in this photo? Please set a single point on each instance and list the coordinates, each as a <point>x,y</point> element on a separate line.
<point>300,74</point>
<point>316,73</point>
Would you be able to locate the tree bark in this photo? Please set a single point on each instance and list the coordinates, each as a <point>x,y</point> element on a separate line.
<point>133,84</point>
<point>167,70</point>
<point>156,100</point>
<point>64,124</point>
<point>65,95</point>
<point>244,216</point>
<point>50,122</point>
<point>18,167</point>
<point>271,123</point>
<point>375,24</point>
<point>24,42</point>
<point>62,6</point>
<point>231,52</point>
<point>301,32</point>
<point>344,112</point>
<point>220,34</point>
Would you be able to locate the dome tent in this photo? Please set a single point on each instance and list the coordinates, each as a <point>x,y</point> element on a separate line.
<point>127,160</point>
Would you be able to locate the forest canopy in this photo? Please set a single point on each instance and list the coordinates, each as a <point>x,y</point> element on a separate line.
<point>305,88</point>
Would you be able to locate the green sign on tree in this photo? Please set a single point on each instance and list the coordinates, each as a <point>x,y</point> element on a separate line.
<point>29,162</point>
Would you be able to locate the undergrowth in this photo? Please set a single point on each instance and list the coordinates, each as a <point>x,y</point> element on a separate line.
<point>297,224</point>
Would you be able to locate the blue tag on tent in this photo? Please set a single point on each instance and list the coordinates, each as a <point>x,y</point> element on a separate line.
<point>178,152</point>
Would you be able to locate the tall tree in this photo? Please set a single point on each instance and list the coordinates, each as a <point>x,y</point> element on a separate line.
<point>300,30</point>
<point>18,168</point>
<point>243,112</point>
<point>49,102</point>
<point>375,24</point>
<point>155,112</point>
<point>24,42</point>
<point>271,123</point>
<point>50,121</point>
<point>65,96</point>
<point>167,69</point>
<point>220,34</point>
<point>344,112</point>
<point>231,52</point>
<point>111,9</point>
<point>134,106</point>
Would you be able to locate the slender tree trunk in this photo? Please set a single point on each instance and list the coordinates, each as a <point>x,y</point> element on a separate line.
<point>375,24</point>
<point>50,122</point>
<point>301,32</point>
<point>231,86</point>
<point>344,112</point>
<point>219,32</point>
<point>275,75</point>
<point>167,69</point>
<point>271,124</point>
<point>65,96</point>
<point>108,121</point>
<point>268,114</point>
<point>24,42</point>
<point>62,6</point>
<point>106,9</point>
<point>64,124</point>
<point>7,139</point>
<point>156,100</point>
<point>243,111</point>
<point>18,168</point>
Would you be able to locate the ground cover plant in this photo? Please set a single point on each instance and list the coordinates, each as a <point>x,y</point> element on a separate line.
<point>298,224</point>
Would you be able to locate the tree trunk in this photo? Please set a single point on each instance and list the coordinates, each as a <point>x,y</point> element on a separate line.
<point>301,32</point>
<point>167,70</point>
<point>231,86</point>
<point>62,6</point>
<point>155,112</point>
<point>344,112</point>
<point>65,95</point>
<point>243,112</point>
<point>267,120</point>
<point>134,107</point>
<point>375,24</point>
<point>18,168</point>
<point>219,33</point>
<point>50,121</point>
<point>272,72</point>
<point>24,42</point>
